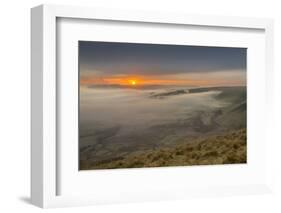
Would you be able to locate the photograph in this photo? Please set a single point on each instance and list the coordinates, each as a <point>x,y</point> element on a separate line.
<point>145,105</point>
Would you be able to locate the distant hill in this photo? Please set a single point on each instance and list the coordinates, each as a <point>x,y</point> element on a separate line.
<point>170,93</point>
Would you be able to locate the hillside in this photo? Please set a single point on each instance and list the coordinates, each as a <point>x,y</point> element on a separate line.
<point>227,148</point>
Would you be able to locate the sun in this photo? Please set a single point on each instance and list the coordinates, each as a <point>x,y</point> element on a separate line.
<point>133,82</point>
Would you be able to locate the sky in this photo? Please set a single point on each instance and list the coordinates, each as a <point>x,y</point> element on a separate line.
<point>112,63</point>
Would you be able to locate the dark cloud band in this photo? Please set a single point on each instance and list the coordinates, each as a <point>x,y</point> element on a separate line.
<point>154,59</point>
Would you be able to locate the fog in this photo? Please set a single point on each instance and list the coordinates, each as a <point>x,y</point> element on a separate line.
<point>136,110</point>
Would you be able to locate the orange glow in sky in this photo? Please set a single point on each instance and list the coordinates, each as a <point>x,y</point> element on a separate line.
<point>138,80</point>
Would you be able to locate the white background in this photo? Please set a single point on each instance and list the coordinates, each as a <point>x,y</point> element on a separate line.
<point>15,105</point>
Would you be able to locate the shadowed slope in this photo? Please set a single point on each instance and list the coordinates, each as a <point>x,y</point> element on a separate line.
<point>228,148</point>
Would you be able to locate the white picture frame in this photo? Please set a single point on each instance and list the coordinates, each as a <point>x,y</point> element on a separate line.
<point>44,149</point>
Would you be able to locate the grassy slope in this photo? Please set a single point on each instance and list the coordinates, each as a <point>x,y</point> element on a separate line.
<point>228,148</point>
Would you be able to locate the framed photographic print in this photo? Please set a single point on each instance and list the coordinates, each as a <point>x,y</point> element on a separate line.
<point>152,105</point>
<point>149,106</point>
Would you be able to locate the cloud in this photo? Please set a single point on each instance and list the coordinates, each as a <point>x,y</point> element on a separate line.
<point>104,60</point>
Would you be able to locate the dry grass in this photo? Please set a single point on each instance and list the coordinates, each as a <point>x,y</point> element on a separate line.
<point>230,148</point>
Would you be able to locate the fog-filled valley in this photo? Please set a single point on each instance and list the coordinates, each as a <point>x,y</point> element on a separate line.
<point>117,122</point>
